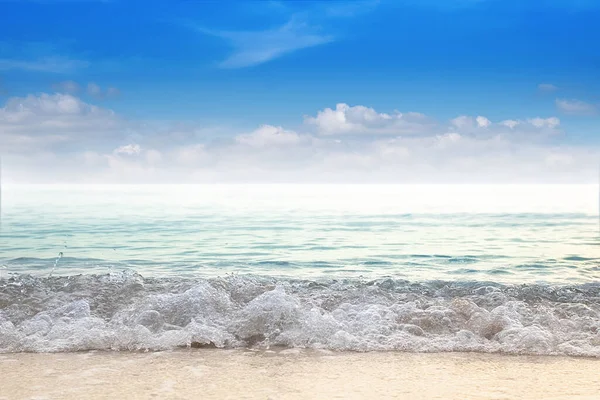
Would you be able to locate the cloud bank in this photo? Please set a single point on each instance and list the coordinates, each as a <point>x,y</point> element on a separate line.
<point>59,137</point>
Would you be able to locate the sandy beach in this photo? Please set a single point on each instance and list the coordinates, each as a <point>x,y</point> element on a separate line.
<point>292,374</point>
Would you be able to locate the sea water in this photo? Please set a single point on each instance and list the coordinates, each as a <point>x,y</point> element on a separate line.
<point>485,268</point>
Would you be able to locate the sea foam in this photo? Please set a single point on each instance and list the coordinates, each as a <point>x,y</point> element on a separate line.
<point>125,311</point>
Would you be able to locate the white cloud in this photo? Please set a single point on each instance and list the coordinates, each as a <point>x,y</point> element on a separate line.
<point>462,122</point>
<point>192,155</point>
<point>256,47</point>
<point>129,149</point>
<point>483,122</point>
<point>361,120</point>
<point>559,159</point>
<point>153,157</point>
<point>307,26</point>
<point>393,152</point>
<point>510,123</point>
<point>21,109</point>
<point>38,121</point>
<point>443,159</point>
<point>576,107</point>
<point>550,123</point>
<point>468,124</point>
<point>547,87</point>
<point>448,138</point>
<point>268,135</point>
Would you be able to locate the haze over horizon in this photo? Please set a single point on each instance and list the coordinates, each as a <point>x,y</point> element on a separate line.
<point>454,91</point>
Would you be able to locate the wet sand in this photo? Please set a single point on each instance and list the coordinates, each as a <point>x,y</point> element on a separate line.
<point>292,374</point>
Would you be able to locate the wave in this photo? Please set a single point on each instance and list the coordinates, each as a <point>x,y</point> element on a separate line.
<point>125,311</point>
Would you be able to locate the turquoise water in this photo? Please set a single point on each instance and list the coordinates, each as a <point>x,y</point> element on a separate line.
<point>415,268</point>
<point>499,233</point>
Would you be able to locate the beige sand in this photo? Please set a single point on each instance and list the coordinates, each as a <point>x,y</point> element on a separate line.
<point>290,374</point>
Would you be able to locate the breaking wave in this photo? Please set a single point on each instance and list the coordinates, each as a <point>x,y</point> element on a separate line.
<point>125,311</point>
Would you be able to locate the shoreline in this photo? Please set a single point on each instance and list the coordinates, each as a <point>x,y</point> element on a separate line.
<point>295,374</point>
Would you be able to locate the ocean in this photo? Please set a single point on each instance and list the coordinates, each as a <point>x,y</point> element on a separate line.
<point>421,268</point>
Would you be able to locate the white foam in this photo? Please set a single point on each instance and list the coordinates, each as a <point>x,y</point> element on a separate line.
<point>255,312</point>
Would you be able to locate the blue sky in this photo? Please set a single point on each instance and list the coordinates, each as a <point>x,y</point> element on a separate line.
<point>224,69</point>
